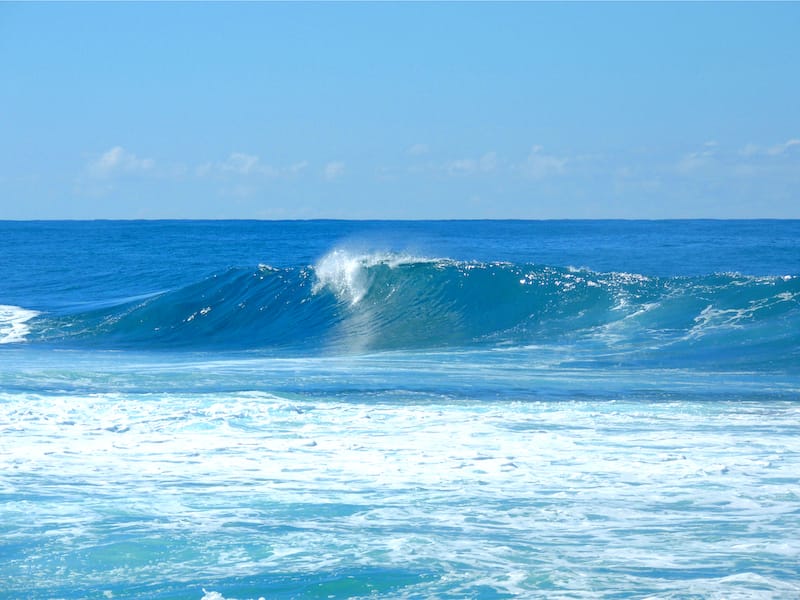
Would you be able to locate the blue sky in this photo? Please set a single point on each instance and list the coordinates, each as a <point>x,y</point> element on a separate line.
<point>399,110</point>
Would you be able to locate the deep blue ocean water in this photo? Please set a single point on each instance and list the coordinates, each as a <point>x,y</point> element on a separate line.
<point>452,409</point>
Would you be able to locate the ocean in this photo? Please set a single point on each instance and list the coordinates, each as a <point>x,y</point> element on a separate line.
<point>437,409</point>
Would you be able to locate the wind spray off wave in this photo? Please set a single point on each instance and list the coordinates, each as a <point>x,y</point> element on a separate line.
<point>373,302</point>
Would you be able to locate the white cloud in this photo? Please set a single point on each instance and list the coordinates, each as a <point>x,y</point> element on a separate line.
<point>333,170</point>
<point>239,163</point>
<point>466,166</point>
<point>698,159</point>
<point>781,148</point>
<point>418,149</point>
<point>295,168</point>
<point>694,160</point>
<point>539,165</point>
<point>118,160</point>
<point>776,150</point>
<point>461,166</point>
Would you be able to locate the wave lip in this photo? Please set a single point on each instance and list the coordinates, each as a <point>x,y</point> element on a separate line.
<point>14,323</point>
<point>348,275</point>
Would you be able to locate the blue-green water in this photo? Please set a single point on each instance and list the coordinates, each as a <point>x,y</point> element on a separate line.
<point>399,409</point>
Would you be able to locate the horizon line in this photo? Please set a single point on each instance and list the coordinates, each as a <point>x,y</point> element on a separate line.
<point>385,220</point>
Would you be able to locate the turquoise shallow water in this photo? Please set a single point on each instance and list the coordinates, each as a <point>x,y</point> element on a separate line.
<point>405,410</point>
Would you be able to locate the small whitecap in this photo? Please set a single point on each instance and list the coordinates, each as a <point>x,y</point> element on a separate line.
<point>13,323</point>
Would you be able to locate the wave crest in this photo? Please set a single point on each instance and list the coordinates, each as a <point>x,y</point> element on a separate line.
<point>349,276</point>
<point>369,302</point>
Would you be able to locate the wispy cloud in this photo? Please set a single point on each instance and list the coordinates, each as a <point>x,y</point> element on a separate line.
<point>704,157</point>
<point>776,150</point>
<point>242,164</point>
<point>781,148</point>
<point>418,150</point>
<point>295,168</point>
<point>694,161</point>
<point>539,165</point>
<point>466,166</point>
<point>117,160</point>
<point>333,170</point>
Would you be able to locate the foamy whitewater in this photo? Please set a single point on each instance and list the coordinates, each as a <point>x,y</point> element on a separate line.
<point>322,409</point>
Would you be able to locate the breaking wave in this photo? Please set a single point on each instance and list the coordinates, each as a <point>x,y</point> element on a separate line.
<point>365,303</point>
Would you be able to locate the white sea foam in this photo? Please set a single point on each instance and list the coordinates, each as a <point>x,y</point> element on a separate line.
<point>13,323</point>
<point>502,496</point>
<point>712,318</point>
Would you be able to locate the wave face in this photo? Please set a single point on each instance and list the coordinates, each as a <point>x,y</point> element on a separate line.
<point>364,303</point>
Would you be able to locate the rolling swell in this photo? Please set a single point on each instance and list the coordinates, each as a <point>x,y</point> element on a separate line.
<point>368,303</point>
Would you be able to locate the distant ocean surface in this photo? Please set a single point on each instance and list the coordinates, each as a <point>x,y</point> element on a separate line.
<point>445,409</point>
